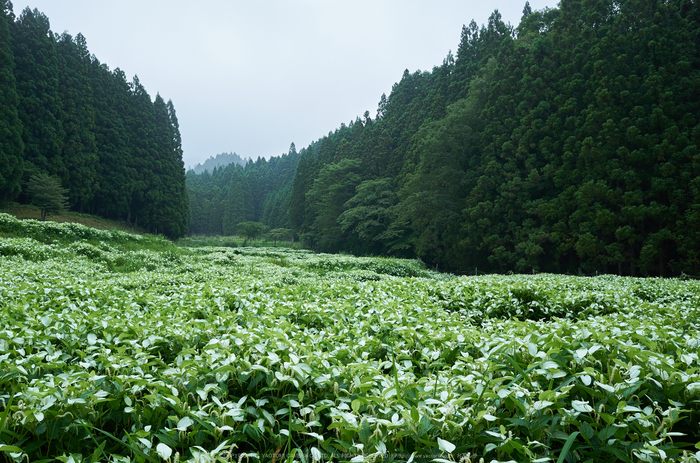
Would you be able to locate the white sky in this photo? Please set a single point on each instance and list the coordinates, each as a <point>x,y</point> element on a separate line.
<point>254,76</point>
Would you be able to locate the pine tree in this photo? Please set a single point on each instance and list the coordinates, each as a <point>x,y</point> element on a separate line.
<point>146,186</point>
<point>235,206</point>
<point>11,145</point>
<point>47,193</point>
<point>116,167</point>
<point>36,72</point>
<point>79,150</point>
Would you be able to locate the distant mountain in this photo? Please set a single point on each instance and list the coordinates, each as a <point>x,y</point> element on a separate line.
<point>220,160</point>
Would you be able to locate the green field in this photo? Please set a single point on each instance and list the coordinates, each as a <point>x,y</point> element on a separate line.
<point>117,347</point>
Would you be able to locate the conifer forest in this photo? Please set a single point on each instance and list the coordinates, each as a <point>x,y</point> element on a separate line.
<point>498,265</point>
<point>63,113</point>
<point>567,144</point>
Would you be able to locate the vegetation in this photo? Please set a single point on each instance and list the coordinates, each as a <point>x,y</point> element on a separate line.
<point>251,230</point>
<point>46,193</point>
<point>64,114</point>
<point>231,195</point>
<point>567,144</point>
<point>120,347</point>
<point>275,238</point>
<point>27,211</point>
<point>281,234</point>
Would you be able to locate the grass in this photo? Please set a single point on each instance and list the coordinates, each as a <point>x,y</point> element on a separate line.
<point>27,211</point>
<point>232,242</point>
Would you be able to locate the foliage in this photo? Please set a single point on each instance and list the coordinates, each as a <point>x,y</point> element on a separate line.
<point>222,354</point>
<point>47,193</point>
<point>117,151</point>
<point>280,234</point>
<point>257,191</point>
<point>266,241</point>
<point>251,230</point>
<point>68,232</point>
<point>567,144</point>
<point>11,145</point>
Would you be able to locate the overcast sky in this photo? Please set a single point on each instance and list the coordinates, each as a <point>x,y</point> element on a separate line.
<point>251,77</point>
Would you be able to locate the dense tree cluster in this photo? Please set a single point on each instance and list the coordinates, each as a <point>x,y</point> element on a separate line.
<point>566,144</point>
<point>65,114</point>
<point>235,194</point>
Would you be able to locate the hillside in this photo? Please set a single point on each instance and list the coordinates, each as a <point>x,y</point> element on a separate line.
<point>26,211</point>
<point>567,144</point>
<point>230,195</point>
<point>65,114</point>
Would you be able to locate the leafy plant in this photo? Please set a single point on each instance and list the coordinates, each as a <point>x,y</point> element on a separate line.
<point>220,354</point>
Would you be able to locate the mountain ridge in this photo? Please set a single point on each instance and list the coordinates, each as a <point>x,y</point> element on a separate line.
<point>220,160</point>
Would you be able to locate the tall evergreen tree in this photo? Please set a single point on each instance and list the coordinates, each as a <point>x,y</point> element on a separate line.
<point>333,187</point>
<point>36,72</point>
<point>116,168</point>
<point>79,150</point>
<point>11,145</point>
<point>147,191</point>
<point>235,208</point>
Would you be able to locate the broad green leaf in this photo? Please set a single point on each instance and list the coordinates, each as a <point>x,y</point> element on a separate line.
<point>164,451</point>
<point>445,446</point>
<point>10,448</point>
<point>184,423</point>
<point>581,406</point>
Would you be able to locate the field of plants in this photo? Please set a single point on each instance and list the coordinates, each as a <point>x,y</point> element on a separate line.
<point>125,348</point>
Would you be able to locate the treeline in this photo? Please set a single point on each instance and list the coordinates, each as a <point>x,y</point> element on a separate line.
<point>65,114</point>
<point>566,144</point>
<point>234,194</point>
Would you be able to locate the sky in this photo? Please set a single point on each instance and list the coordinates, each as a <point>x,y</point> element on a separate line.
<point>251,77</point>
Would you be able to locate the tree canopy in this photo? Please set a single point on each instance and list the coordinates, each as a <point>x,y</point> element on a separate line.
<point>47,193</point>
<point>233,194</point>
<point>64,114</point>
<point>566,144</point>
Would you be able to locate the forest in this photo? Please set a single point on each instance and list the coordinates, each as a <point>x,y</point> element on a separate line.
<point>65,115</point>
<point>567,144</point>
<point>258,191</point>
